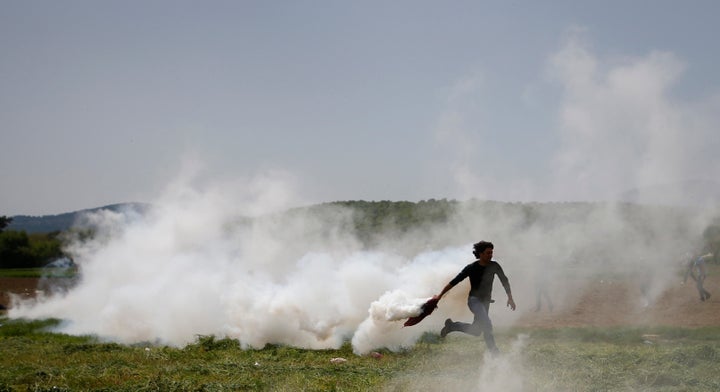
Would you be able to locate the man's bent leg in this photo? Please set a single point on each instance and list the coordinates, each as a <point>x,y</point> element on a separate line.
<point>481,322</point>
<point>468,328</point>
<point>704,294</point>
<point>476,328</point>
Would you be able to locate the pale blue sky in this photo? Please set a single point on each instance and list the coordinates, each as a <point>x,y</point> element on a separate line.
<point>107,101</point>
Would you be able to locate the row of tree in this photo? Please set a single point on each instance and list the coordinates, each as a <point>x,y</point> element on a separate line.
<point>372,222</point>
<point>21,250</point>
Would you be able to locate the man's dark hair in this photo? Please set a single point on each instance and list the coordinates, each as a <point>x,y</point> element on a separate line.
<point>480,247</point>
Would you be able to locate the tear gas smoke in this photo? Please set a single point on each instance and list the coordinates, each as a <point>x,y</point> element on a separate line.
<point>619,131</point>
<point>504,373</point>
<point>188,268</point>
<point>447,370</point>
<point>221,260</point>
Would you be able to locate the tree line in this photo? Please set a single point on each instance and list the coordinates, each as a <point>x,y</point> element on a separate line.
<point>19,249</point>
<point>371,222</point>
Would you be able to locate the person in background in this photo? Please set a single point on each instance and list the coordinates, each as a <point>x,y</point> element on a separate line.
<point>542,281</point>
<point>697,270</point>
<point>481,273</point>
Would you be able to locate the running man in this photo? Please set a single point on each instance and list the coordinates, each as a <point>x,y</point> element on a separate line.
<point>481,273</point>
<point>697,265</point>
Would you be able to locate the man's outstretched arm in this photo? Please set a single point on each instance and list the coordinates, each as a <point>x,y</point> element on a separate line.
<point>444,290</point>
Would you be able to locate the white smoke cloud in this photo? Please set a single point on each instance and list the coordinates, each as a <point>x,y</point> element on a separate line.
<point>197,265</point>
<point>188,268</point>
<point>611,124</point>
<point>504,373</point>
<point>621,127</point>
<point>194,266</point>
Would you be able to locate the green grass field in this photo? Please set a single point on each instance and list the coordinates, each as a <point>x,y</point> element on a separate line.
<point>585,359</point>
<point>36,272</point>
<point>20,272</point>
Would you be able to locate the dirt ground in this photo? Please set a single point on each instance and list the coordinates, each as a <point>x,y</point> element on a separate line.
<point>599,304</point>
<point>604,304</point>
<point>24,287</point>
<point>29,288</point>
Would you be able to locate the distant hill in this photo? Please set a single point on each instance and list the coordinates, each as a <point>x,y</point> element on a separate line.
<point>404,214</point>
<point>61,222</point>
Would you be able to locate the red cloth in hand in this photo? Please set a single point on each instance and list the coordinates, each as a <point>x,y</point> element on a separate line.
<point>427,308</point>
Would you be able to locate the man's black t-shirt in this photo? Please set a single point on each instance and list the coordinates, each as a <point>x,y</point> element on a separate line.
<point>481,279</point>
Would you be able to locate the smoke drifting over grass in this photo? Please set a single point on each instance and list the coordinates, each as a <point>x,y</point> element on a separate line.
<point>221,259</point>
<point>190,268</point>
<point>193,267</point>
<point>504,373</point>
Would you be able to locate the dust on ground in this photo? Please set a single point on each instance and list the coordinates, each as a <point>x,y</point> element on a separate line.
<point>26,288</point>
<point>607,304</point>
<point>599,304</point>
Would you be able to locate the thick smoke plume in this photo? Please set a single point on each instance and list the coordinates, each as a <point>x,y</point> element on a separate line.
<point>225,260</point>
<point>192,267</point>
<point>189,268</point>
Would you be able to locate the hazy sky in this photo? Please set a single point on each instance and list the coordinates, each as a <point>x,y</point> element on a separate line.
<point>108,101</point>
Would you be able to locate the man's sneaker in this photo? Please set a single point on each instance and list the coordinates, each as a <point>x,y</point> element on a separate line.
<point>446,329</point>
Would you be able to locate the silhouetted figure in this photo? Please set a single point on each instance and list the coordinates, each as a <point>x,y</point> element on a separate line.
<point>481,273</point>
<point>542,280</point>
<point>644,275</point>
<point>697,270</point>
